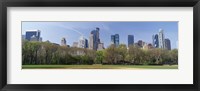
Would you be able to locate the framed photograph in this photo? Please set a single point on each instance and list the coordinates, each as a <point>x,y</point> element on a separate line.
<point>91,45</point>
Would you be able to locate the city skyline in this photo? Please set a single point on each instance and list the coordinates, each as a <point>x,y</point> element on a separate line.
<point>72,31</point>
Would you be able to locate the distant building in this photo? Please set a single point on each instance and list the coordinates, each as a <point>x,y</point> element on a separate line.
<point>115,39</point>
<point>34,34</point>
<point>150,46</point>
<point>75,44</point>
<point>161,39</point>
<point>167,44</point>
<point>100,46</point>
<point>130,40</point>
<point>136,45</point>
<point>68,45</point>
<point>112,39</point>
<point>94,39</point>
<point>86,43</point>
<point>140,43</point>
<point>40,39</point>
<point>33,38</point>
<point>147,46</point>
<point>83,42</point>
<point>63,42</point>
<point>155,41</point>
<point>91,41</point>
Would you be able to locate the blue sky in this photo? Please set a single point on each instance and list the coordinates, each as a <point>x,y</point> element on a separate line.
<point>54,31</point>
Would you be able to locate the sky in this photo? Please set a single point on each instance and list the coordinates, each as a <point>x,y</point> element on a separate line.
<point>72,31</point>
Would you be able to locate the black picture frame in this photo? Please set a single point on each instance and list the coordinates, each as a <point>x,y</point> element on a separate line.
<point>99,3</point>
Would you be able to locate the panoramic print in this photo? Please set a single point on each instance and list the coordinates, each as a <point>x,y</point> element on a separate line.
<point>99,45</point>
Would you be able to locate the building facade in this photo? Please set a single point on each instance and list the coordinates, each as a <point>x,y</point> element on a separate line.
<point>155,41</point>
<point>33,38</point>
<point>115,39</point>
<point>63,42</point>
<point>94,39</point>
<point>83,42</point>
<point>161,39</point>
<point>140,43</point>
<point>147,46</point>
<point>100,46</point>
<point>33,34</point>
<point>130,40</point>
<point>167,44</point>
<point>112,39</point>
<point>91,43</point>
<point>86,43</point>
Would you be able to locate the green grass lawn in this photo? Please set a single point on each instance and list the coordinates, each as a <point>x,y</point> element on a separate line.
<point>99,66</point>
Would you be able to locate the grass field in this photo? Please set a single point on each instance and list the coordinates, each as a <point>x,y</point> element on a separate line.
<point>97,66</point>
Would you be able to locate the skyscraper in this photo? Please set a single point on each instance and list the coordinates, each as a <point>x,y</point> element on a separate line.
<point>91,43</point>
<point>86,43</point>
<point>112,39</point>
<point>94,39</point>
<point>83,42</point>
<point>34,34</point>
<point>115,39</point>
<point>161,39</point>
<point>63,42</point>
<point>155,41</point>
<point>130,40</point>
<point>167,44</point>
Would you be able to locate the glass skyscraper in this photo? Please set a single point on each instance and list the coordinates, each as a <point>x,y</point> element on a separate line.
<point>33,33</point>
<point>86,43</point>
<point>155,41</point>
<point>167,44</point>
<point>130,40</point>
<point>115,39</point>
<point>94,39</point>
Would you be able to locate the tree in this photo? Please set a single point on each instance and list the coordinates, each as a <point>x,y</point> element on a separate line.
<point>110,55</point>
<point>174,56</point>
<point>122,52</point>
<point>99,57</point>
<point>157,55</point>
<point>134,54</point>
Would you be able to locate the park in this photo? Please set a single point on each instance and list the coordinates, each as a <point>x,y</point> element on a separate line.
<point>46,55</point>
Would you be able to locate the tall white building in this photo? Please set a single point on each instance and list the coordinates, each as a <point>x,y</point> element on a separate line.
<point>63,42</point>
<point>81,42</point>
<point>100,46</point>
<point>91,43</point>
<point>161,39</point>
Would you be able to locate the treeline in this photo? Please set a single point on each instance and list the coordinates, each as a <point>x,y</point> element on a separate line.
<point>49,53</point>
